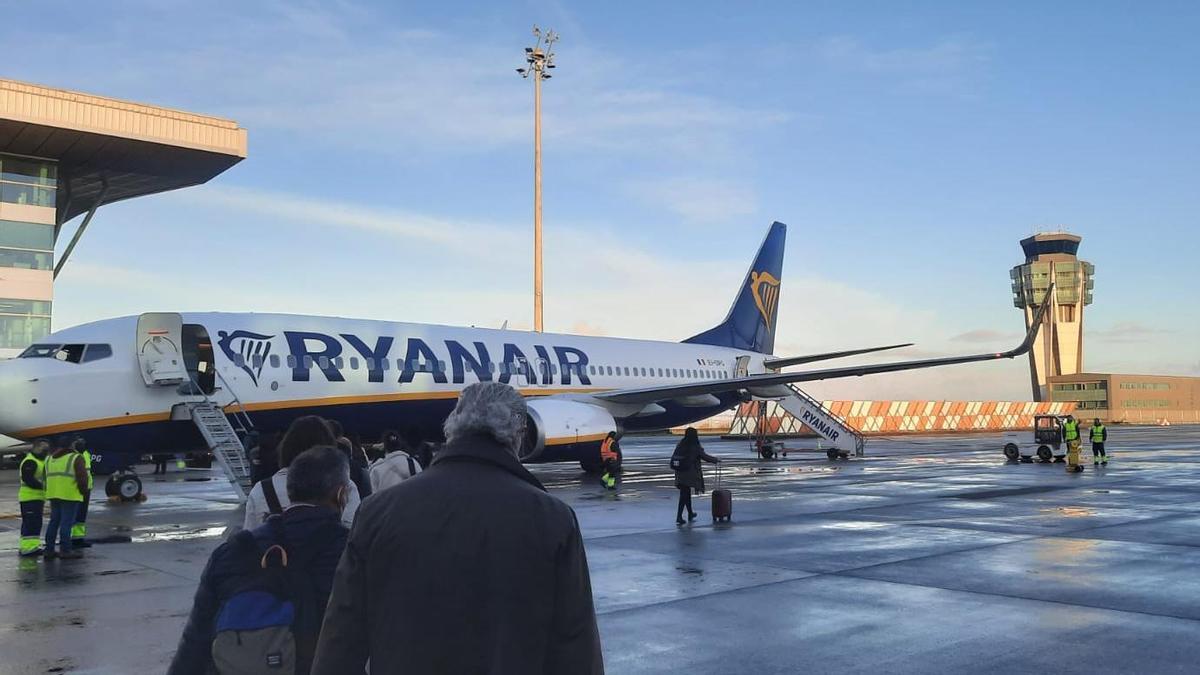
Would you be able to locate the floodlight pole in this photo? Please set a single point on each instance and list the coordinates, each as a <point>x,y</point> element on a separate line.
<point>538,59</point>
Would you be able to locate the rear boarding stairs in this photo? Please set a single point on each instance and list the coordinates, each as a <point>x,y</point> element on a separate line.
<point>843,439</point>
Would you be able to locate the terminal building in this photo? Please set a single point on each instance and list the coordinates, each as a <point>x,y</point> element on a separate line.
<point>65,154</point>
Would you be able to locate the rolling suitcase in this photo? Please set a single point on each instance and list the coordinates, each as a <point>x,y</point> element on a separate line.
<point>722,501</point>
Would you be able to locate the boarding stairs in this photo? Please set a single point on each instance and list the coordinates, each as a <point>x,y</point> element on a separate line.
<point>822,420</point>
<point>224,442</point>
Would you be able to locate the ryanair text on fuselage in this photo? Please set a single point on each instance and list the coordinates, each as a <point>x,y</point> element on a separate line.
<point>311,350</point>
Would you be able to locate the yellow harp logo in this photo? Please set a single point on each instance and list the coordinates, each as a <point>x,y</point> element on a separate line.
<point>765,289</point>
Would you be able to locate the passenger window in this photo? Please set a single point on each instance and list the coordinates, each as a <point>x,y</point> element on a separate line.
<point>384,364</point>
<point>323,361</point>
<point>308,361</point>
<point>256,361</point>
<point>353,363</point>
<point>239,360</point>
<point>96,352</point>
<point>339,363</point>
<point>609,369</point>
<point>291,361</point>
<point>274,360</point>
<point>370,362</point>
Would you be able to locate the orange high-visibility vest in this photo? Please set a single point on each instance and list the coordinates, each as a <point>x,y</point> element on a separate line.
<point>606,449</point>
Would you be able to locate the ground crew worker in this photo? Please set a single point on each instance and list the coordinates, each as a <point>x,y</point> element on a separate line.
<point>79,529</point>
<point>32,497</point>
<point>610,458</point>
<point>66,481</point>
<point>1099,436</point>
<point>1071,436</point>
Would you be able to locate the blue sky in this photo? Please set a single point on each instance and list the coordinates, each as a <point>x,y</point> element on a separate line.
<point>908,146</point>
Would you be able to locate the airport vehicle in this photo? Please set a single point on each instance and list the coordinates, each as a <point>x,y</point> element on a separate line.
<point>1047,436</point>
<point>179,382</point>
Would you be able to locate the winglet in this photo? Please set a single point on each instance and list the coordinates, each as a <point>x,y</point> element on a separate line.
<point>1034,325</point>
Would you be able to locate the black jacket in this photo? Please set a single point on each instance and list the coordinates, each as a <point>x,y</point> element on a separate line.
<point>469,567</point>
<point>313,533</point>
<point>692,475</point>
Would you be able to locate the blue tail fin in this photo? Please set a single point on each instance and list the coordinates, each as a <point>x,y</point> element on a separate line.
<point>751,321</point>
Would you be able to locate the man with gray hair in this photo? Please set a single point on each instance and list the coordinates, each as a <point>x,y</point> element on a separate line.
<point>468,567</point>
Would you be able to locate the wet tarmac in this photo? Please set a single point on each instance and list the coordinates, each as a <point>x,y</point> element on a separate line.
<point>931,555</point>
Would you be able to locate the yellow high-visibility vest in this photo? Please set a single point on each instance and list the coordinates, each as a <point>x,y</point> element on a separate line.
<point>1098,434</point>
<point>1070,430</point>
<point>60,478</point>
<point>87,467</point>
<point>26,493</point>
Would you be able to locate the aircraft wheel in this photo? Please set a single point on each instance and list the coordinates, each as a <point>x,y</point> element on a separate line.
<point>591,465</point>
<point>831,453</point>
<point>766,452</point>
<point>844,455</point>
<point>1045,454</point>
<point>1012,452</point>
<point>128,487</point>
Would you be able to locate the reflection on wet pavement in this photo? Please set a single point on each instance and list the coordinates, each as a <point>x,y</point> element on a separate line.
<point>932,555</point>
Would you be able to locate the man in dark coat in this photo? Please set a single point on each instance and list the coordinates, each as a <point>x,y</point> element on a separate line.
<point>469,567</point>
<point>318,486</point>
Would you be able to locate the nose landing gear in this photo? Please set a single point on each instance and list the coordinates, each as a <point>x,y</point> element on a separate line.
<point>124,485</point>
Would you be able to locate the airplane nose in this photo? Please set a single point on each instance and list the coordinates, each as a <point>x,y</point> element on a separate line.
<point>16,392</point>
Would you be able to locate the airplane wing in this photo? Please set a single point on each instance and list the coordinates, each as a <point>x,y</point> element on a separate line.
<point>777,363</point>
<point>662,393</point>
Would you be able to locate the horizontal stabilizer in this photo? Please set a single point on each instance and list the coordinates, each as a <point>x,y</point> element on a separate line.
<point>777,363</point>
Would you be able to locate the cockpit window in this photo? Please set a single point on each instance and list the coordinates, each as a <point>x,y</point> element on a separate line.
<point>68,353</point>
<point>96,352</point>
<point>39,352</point>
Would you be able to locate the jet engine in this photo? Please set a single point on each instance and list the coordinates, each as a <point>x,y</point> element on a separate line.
<point>560,429</point>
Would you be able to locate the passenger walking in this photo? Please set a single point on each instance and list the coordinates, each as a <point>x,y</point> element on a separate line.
<point>395,467</point>
<point>233,626</point>
<point>610,458</point>
<point>270,496</point>
<point>359,469</point>
<point>32,497</point>
<point>66,482</point>
<point>79,529</point>
<point>1099,437</point>
<point>471,568</point>
<point>689,476</point>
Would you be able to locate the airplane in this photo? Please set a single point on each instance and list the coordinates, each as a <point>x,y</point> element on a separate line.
<point>105,380</point>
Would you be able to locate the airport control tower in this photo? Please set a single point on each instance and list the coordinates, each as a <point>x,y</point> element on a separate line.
<point>1050,257</point>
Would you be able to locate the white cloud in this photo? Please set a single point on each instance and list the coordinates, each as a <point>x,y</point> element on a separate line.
<point>698,200</point>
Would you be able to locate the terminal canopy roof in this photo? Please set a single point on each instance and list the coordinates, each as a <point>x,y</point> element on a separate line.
<point>137,149</point>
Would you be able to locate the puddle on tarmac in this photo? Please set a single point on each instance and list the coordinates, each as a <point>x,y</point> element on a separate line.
<point>690,570</point>
<point>180,535</point>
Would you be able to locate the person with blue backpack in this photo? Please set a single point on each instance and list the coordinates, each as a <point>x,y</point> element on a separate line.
<point>262,595</point>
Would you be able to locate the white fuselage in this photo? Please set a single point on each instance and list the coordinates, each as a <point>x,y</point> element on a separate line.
<point>280,366</point>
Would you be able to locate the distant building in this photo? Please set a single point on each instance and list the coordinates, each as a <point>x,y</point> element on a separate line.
<point>890,417</point>
<point>1051,258</point>
<point>64,154</point>
<point>1131,399</point>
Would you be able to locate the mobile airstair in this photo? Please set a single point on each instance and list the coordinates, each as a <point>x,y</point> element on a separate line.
<point>843,439</point>
<point>222,426</point>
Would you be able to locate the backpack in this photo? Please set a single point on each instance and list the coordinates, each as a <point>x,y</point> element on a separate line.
<point>271,623</point>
